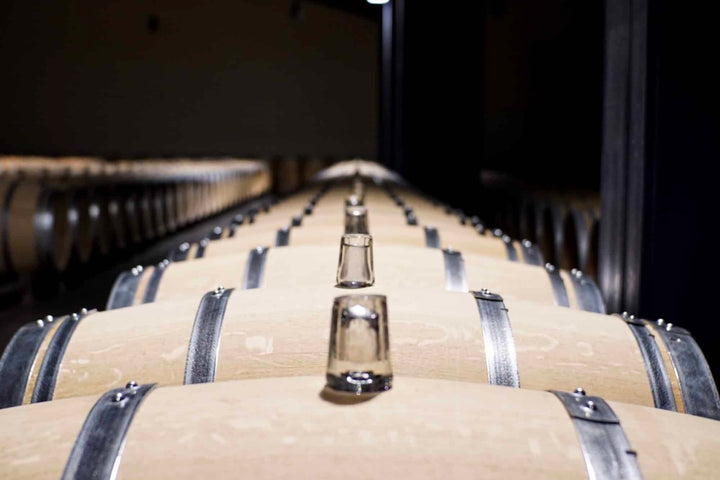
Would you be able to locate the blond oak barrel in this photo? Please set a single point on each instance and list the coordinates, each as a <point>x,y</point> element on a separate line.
<point>286,175</point>
<point>410,267</point>
<point>315,231</point>
<point>36,228</point>
<point>276,428</point>
<point>322,225</point>
<point>264,333</point>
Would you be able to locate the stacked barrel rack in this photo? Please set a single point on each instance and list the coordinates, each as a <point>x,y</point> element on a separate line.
<point>564,224</point>
<point>351,331</point>
<point>60,215</point>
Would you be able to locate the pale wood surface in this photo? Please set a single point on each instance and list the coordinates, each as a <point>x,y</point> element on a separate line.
<point>282,428</point>
<point>284,332</point>
<point>325,229</point>
<point>148,343</point>
<point>394,266</point>
<point>386,222</point>
<point>513,280</point>
<point>671,445</point>
<point>36,440</point>
<point>560,347</point>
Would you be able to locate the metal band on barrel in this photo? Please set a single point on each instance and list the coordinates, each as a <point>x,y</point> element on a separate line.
<point>654,365</point>
<point>531,253</point>
<point>98,447</point>
<point>606,449</point>
<point>500,354</point>
<point>455,280</point>
<point>205,337</point>
<point>216,233</point>
<point>511,252</point>
<point>432,237</point>
<point>124,290</point>
<point>202,245</point>
<point>699,392</point>
<point>282,238</point>
<point>587,293</point>
<point>255,268</point>
<point>560,295</point>
<point>154,282</point>
<point>181,253</point>
<point>50,367</point>
<point>17,361</point>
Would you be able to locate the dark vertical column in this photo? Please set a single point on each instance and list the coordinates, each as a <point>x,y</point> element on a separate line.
<point>385,153</point>
<point>623,186</point>
<point>398,87</point>
<point>680,247</point>
<point>638,163</point>
<point>614,151</point>
<point>661,144</point>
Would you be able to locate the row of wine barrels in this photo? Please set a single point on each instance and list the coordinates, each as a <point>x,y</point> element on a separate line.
<point>285,427</point>
<point>55,217</point>
<point>322,219</point>
<point>284,332</point>
<point>216,366</point>
<point>316,230</point>
<point>565,226</point>
<point>291,173</point>
<point>395,265</point>
<point>228,260</point>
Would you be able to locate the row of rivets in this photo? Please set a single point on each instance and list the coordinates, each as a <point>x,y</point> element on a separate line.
<point>50,319</point>
<point>660,322</point>
<point>131,389</point>
<point>590,405</point>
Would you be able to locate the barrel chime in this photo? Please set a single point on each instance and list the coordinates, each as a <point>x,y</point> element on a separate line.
<point>357,328</point>
<point>60,214</point>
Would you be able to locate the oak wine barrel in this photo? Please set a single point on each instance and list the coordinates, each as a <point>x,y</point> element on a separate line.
<point>476,337</point>
<point>279,428</point>
<point>36,226</point>
<point>411,267</point>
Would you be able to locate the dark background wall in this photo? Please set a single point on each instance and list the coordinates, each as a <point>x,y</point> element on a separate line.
<point>179,77</point>
<point>543,90</point>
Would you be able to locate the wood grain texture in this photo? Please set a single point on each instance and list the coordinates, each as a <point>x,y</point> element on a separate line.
<point>36,440</point>
<point>326,229</point>
<point>415,267</point>
<point>282,428</point>
<point>560,347</point>
<point>284,332</point>
<point>671,445</point>
<point>513,280</point>
<point>148,343</point>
